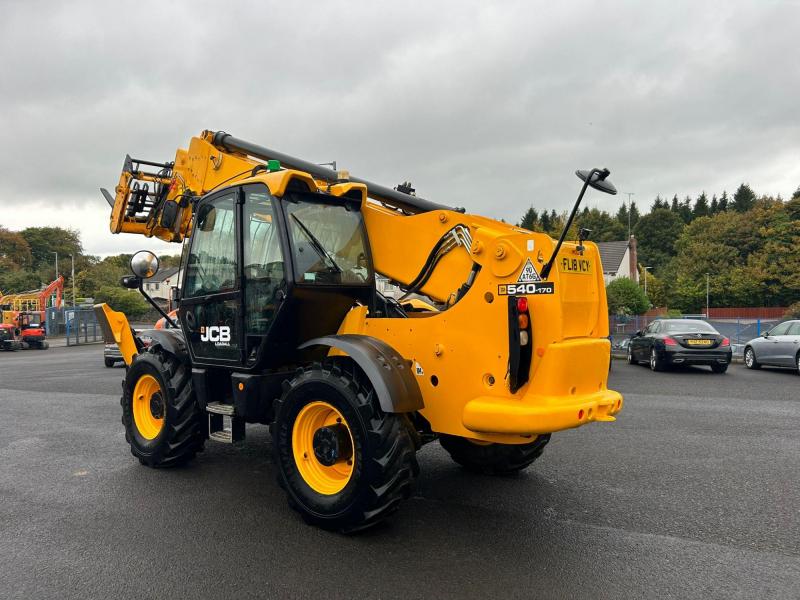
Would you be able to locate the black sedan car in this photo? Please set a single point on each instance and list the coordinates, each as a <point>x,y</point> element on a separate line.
<point>668,342</point>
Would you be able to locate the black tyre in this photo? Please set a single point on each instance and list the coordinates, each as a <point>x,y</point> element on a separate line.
<point>750,359</point>
<point>719,368</point>
<point>163,422</point>
<point>630,358</point>
<point>797,362</point>
<point>344,463</point>
<point>493,459</point>
<point>656,362</point>
<point>109,362</point>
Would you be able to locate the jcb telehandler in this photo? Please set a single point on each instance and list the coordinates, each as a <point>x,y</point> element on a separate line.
<point>280,323</point>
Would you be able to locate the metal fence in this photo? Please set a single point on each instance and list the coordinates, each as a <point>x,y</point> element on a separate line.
<point>739,330</point>
<point>82,327</point>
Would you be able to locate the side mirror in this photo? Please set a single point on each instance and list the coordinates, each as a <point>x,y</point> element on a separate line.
<point>144,264</point>
<point>765,334</point>
<point>638,333</point>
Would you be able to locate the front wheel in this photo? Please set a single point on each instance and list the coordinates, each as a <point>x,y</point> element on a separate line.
<point>750,359</point>
<point>630,359</point>
<point>163,422</point>
<point>493,459</point>
<point>344,463</point>
<point>797,362</point>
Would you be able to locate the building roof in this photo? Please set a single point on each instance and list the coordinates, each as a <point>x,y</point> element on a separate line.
<point>163,274</point>
<point>611,254</point>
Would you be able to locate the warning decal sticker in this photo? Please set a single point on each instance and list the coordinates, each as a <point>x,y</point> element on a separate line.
<point>529,274</point>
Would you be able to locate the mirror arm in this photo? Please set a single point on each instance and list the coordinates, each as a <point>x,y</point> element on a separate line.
<point>156,306</point>
<point>549,265</point>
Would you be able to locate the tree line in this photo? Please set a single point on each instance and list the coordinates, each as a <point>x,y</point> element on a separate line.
<point>746,243</point>
<point>28,262</point>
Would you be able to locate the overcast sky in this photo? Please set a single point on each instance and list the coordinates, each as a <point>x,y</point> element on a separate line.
<point>483,105</point>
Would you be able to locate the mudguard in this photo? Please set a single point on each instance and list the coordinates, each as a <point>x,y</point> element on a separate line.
<point>388,372</point>
<point>171,340</point>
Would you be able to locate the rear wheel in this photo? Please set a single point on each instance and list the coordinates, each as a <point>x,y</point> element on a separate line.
<point>493,459</point>
<point>719,368</point>
<point>797,362</point>
<point>750,359</point>
<point>109,362</point>
<point>163,422</point>
<point>656,362</point>
<point>344,463</point>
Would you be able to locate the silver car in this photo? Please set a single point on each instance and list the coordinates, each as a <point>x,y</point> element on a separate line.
<point>778,347</point>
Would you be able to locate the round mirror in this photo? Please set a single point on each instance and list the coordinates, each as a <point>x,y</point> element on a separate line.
<point>598,180</point>
<point>144,264</point>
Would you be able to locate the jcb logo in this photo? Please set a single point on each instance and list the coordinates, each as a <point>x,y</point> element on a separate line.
<point>220,335</point>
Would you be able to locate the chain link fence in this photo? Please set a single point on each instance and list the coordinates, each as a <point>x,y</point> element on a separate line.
<point>82,327</point>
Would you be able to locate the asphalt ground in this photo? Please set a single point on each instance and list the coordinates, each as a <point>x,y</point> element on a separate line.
<point>693,493</point>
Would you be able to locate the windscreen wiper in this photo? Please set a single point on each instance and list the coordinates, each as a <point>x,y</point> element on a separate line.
<point>317,245</point>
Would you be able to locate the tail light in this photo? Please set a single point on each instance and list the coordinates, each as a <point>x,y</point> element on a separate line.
<point>668,341</point>
<point>520,343</point>
<point>725,342</point>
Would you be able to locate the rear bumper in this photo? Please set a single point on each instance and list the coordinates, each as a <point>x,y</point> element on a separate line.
<point>697,357</point>
<point>567,389</point>
<point>538,415</point>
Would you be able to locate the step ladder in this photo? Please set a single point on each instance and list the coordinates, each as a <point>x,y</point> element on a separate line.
<point>224,425</point>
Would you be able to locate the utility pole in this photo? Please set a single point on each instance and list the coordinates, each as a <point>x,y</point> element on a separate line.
<point>707,313</point>
<point>629,215</point>
<point>56,253</point>
<point>645,281</point>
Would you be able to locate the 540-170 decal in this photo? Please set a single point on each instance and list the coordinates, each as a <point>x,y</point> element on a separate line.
<point>528,289</point>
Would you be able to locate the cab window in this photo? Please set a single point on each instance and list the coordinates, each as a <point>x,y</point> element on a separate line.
<point>211,266</point>
<point>328,244</point>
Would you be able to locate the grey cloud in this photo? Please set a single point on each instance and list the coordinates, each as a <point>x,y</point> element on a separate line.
<point>490,106</point>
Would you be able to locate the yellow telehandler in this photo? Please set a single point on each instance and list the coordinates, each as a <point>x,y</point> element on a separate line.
<point>280,324</point>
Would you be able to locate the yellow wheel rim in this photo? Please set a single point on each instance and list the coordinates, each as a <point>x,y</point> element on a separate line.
<point>148,407</point>
<point>323,479</point>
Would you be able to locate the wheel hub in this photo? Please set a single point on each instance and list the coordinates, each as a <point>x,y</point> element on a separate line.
<point>157,406</point>
<point>331,444</point>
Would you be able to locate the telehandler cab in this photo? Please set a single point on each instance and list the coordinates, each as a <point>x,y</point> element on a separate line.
<point>280,323</point>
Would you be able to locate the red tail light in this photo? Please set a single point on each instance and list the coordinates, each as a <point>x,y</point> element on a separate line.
<point>725,342</point>
<point>668,341</point>
<point>522,304</point>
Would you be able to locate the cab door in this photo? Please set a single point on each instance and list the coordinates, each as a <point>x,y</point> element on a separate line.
<point>211,298</point>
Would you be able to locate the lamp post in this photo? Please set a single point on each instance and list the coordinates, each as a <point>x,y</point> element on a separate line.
<point>56,253</point>
<point>645,269</point>
<point>629,214</point>
<point>72,276</point>
<point>707,313</point>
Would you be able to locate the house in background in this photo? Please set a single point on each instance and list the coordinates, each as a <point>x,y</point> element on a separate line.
<point>158,286</point>
<point>619,260</point>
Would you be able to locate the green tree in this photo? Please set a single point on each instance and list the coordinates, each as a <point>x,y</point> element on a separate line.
<point>796,194</point>
<point>44,241</point>
<point>659,203</point>
<point>120,299</point>
<point>744,198</point>
<point>714,208</point>
<point>603,226</point>
<point>15,252</point>
<point>635,216</point>
<point>722,205</point>
<point>657,289</point>
<point>530,219</point>
<point>625,297</point>
<point>685,210</point>
<point>701,206</point>
<point>657,233</point>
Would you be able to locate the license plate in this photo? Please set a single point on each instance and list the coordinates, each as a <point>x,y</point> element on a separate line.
<point>582,266</point>
<point>699,342</point>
